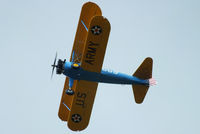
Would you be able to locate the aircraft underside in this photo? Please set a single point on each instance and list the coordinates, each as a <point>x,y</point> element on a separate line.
<point>103,77</point>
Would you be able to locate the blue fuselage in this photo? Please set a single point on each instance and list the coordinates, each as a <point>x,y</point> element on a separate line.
<point>104,76</point>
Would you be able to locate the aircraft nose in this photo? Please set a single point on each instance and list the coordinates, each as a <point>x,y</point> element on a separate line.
<point>60,66</point>
<point>67,66</point>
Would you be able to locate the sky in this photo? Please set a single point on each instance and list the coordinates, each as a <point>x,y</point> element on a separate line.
<point>32,31</point>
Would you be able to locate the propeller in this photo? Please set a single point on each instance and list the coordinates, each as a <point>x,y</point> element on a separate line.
<point>54,65</point>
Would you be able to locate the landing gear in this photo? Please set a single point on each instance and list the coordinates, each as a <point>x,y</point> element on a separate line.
<point>75,65</point>
<point>69,92</point>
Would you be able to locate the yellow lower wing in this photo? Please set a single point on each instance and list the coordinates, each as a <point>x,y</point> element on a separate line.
<point>92,60</point>
<point>64,103</point>
<point>89,10</point>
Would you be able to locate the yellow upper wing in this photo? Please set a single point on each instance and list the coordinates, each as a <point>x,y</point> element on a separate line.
<point>92,60</point>
<point>89,10</point>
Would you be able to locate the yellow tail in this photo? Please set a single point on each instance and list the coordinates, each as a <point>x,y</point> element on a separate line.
<point>143,72</point>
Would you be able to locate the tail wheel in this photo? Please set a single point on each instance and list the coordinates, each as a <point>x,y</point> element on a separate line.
<point>75,65</point>
<point>69,92</point>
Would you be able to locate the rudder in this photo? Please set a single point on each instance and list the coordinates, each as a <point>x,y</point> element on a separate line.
<point>143,72</point>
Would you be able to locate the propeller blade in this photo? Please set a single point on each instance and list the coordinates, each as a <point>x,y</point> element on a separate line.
<point>55,59</point>
<point>54,65</point>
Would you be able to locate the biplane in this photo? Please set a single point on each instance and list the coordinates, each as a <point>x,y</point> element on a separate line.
<point>84,70</point>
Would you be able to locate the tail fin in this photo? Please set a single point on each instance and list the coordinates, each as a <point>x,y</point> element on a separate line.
<point>143,72</point>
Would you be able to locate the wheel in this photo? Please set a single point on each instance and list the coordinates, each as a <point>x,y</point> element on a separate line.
<point>69,92</point>
<point>75,65</point>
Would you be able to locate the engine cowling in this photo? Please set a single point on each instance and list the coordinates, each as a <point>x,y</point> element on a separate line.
<point>60,66</point>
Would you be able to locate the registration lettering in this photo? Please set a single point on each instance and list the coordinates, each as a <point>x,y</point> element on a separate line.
<point>91,53</point>
<point>80,99</point>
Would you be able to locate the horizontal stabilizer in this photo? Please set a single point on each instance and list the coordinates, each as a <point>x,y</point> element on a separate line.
<point>143,72</point>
